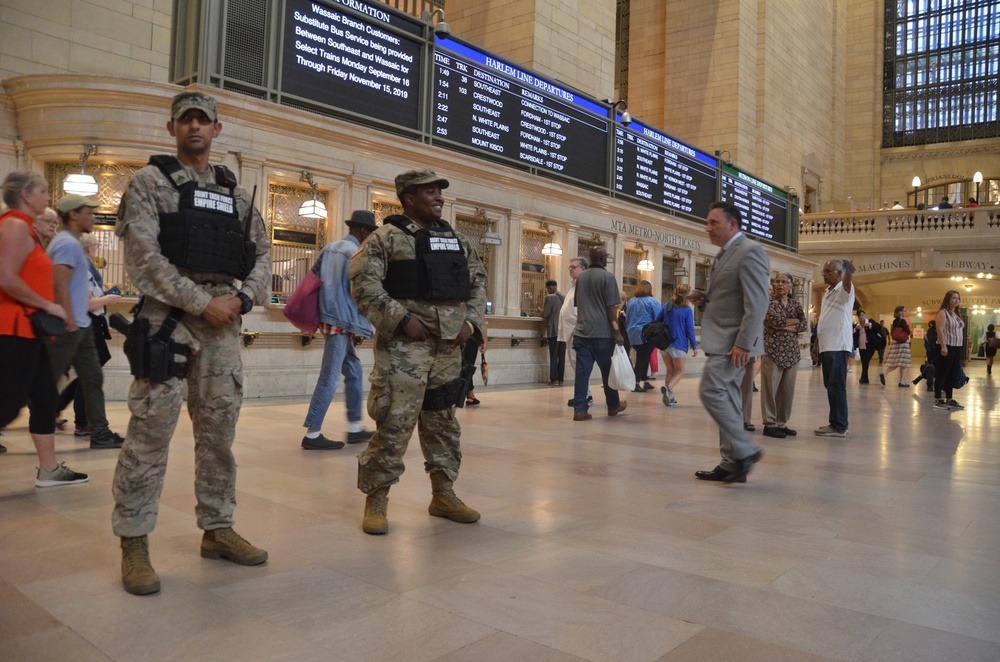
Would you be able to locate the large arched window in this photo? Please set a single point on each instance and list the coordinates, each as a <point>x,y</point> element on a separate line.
<point>941,76</point>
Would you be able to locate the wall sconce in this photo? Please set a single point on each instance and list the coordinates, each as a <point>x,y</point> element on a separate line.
<point>489,238</point>
<point>442,29</point>
<point>645,264</point>
<point>312,208</point>
<point>81,183</point>
<point>626,117</point>
<point>728,161</point>
<point>551,248</point>
<point>680,271</point>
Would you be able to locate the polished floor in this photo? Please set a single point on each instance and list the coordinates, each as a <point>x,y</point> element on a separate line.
<point>596,542</point>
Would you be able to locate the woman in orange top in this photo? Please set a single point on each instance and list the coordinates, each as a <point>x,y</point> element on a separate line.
<point>26,286</point>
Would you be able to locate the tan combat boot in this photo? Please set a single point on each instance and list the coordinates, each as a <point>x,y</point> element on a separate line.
<point>375,522</point>
<point>445,503</point>
<point>229,545</point>
<point>138,575</point>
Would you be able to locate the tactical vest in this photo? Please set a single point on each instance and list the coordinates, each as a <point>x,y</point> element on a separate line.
<point>205,233</point>
<point>440,271</point>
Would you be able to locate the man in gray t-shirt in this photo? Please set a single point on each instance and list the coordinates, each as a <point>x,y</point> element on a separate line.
<point>596,333</point>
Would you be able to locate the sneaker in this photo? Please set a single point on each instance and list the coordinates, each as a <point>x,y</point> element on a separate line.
<point>952,404</point>
<point>321,443</point>
<point>941,404</point>
<point>61,475</point>
<point>673,402</point>
<point>359,437</point>
<point>903,385</point>
<point>828,431</point>
<point>82,431</point>
<point>111,440</point>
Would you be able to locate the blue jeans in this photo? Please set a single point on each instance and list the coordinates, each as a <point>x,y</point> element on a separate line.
<point>835,381</point>
<point>588,352</point>
<point>339,358</point>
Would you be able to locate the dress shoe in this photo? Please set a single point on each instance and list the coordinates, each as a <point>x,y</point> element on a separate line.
<point>622,407</point>
<point>720,475</point>
<point>582,416</point>
<point>749,427</point>
<point>881,378</point>
<point>862,381</point>
<point>745,465</point>
<point>789,432</point>
<point>359,437</point>
<point>647,387</point>
<point>777,433</point>
<point>321,443</point>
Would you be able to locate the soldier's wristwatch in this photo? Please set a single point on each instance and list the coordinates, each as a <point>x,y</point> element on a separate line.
<point>406,320</point>
<point>247,303</point>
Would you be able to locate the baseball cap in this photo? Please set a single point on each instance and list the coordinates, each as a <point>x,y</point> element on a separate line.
<point>74,201</point>
<point>192,99</point>
<point>418,178</point>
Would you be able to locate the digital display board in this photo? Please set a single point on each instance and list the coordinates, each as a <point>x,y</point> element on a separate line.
<point>658,169</point>
<point>487,104</point>
<point>354,62</point>
<point>764,207</point>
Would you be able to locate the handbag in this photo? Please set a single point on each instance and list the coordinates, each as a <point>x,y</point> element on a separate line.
<point>993,343</point>
<point>622,376</point>
<point>302,308</point>
<point>899,334</point>
<point>45,325</point>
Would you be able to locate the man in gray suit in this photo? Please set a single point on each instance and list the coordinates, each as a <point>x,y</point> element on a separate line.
<point>732,331</point>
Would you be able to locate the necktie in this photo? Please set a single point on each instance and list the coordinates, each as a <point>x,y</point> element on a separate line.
<point>717,258</point>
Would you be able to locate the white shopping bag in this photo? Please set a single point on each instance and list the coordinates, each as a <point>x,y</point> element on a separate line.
<point>622,376</point>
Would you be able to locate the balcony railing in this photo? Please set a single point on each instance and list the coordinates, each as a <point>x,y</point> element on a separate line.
<point>899,224</point>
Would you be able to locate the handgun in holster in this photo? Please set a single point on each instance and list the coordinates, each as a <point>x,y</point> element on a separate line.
<point>154,357</point>
<point>451,394</point>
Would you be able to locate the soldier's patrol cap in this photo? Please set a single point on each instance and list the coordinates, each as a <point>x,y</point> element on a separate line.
<point>187,100</point>
<point>72,202</point>
<point>418,178</point>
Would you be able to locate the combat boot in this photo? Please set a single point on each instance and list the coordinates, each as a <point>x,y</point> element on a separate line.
<point>138,576</point>
<point>376,522</point>
<point>445,503</point>
<point>229,545</point>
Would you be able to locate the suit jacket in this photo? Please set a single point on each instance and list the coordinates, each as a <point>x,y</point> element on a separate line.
<point>550,313</point>
<point>737,300</point>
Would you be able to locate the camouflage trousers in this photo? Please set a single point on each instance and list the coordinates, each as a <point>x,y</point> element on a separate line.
<point>404,369</point>
<point>214,396</point>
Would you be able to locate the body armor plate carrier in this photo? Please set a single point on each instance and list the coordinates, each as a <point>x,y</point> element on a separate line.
<point>205,234</point>
<point>440,271</point>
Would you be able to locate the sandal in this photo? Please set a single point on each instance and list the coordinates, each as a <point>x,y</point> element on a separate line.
<point>469,402</point>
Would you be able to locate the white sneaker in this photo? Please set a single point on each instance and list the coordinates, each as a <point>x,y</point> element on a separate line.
<point>61,475</point>
<point>941,404</point>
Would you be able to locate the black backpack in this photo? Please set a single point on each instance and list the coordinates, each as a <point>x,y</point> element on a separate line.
<point>658,333</point>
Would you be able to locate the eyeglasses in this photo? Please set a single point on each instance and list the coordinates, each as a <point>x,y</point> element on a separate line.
<point>829,271</point>
<point>782,282</point>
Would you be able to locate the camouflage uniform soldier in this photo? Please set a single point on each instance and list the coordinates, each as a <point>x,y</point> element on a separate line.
<point>179,287</point>
<point>423,288</point>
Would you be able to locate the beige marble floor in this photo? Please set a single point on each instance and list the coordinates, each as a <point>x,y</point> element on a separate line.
<point>596,542</point>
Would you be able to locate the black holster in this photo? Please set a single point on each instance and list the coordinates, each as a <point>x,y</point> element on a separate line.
<point>154,357</point>
<point>452,394</point>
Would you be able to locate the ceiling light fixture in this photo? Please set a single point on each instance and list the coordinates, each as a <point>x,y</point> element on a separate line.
<point>312,208</point>
<point>81,183</point>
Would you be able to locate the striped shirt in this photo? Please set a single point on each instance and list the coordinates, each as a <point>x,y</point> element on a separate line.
<point>951,333</point>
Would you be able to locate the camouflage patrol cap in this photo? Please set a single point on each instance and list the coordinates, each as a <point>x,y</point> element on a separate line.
<point>192,99</point>
<point>418,178</point>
